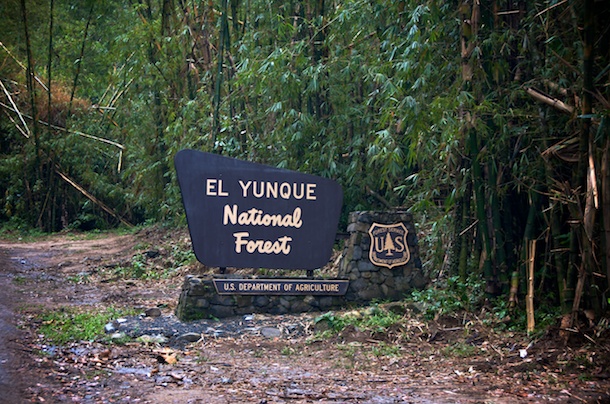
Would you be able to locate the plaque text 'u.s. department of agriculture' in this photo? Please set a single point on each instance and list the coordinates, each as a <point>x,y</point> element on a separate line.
<point>337,287</point>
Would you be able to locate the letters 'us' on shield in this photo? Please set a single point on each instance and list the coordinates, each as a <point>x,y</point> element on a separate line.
<point>389,245</point>
<point>248,215</point>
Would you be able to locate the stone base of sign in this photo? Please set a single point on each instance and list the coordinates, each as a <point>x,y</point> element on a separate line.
<point>367,281</point>
<point>199,299</point>
<point>372,282</point>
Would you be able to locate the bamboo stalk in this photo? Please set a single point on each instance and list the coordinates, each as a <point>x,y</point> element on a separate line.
<point>593,179</point>
<point>508,12</point>
<point>16,125</point>
<point>550,8</point>
<point>379,198</point>
<point>22,66</point>
<point>50,65</point>
<point>99,139</point>
<point>556,87</point>
<point>92,198</point>
<point>75,132</point>
<point>529,302</point>
<point>16,110</point>
<point>580,284</point>
<point>30,74</point>
<point>514,289</point>
<point>553,102</point>
<point>606,206</point>
<point>80,59</point>
<point>117,74</point>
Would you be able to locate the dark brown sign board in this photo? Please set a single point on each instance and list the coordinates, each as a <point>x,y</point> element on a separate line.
<point>247,215</point>
<point>337,287</point>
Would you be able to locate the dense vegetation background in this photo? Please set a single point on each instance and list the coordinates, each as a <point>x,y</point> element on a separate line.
<point>487,118</point>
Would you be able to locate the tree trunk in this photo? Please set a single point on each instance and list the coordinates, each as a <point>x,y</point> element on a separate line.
<point>79,62</point>
<point>586,178</point>
<point>223,38</point>
<point>499,258</point>
<point>478,185</point>
<point>30,80</point>
<point>606,209</point>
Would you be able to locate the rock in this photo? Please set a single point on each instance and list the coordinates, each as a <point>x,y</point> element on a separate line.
<point>221,311</point>
<point>261,301</point>
<point>214,332</point>
<point>118,335</point>
<point>152,339</point>
<point>271,332</point>
<point>177,375</point>
<point>190,337</point>
<point>202,303</point>
<point>326,302</point>
<point>153,312</point>
<point>152,253</point>
<point>109,328</point>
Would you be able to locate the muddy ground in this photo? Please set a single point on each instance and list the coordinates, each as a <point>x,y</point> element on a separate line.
<point>260,358</point>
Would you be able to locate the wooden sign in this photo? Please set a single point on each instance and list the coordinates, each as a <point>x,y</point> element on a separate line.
<point>247,215</point>
<point>389,245</point>
<point>331,287</point>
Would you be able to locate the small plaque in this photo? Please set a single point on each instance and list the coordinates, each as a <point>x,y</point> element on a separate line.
<point>333,287</point>
<point>389,245</point>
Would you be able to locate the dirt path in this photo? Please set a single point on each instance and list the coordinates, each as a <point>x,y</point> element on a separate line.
<point>11,384</point>
<point>259,359</point>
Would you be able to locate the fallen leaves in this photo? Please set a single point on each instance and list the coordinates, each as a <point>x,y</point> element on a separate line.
<point>259,358</point>
<point>166,355</point>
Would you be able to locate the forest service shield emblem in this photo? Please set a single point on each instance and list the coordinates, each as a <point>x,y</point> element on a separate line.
<point>389,245</point>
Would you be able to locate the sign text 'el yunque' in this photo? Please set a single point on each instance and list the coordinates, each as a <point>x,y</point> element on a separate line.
<point>247,215</point>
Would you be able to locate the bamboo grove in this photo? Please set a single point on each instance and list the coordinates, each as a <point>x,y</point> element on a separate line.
<point>487,119</point>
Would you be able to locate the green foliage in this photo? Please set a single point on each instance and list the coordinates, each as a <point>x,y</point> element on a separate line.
<point>376,95</point>
<point>69,325</point>
<point>453,296</point>
<point>182,256</point>
<point>141,267</point>
<point>373,319</point>
<point>383,349</point>
<point>503,317</point>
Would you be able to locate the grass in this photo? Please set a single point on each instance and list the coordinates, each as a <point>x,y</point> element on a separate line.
<point>145,268</point>
<point>382,349</point>
<point>288,351</point>
<point>373,319</point>
<point>19,280</point>
<point>71,324</point>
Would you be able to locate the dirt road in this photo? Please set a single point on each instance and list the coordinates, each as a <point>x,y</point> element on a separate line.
<point>11,383</point>
<point>262,359</point>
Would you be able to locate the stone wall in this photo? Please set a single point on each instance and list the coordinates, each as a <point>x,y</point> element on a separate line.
<point>200,300</point>
<point>367,281</point>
